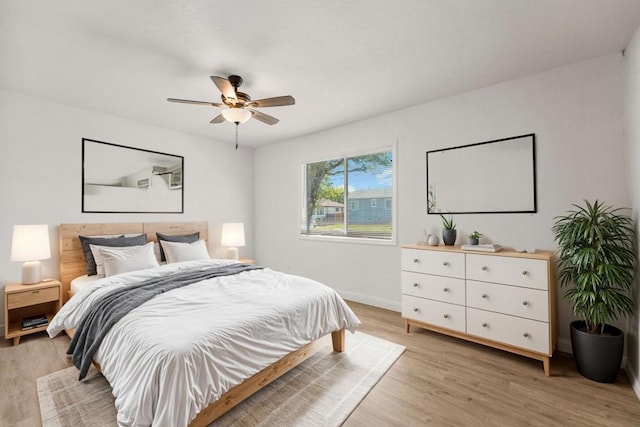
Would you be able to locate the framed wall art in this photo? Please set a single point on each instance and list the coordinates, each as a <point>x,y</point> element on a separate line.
<point>120,179</point>
<point>487,177</point>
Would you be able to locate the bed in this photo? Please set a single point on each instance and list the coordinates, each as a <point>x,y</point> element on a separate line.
<point>191,354</point>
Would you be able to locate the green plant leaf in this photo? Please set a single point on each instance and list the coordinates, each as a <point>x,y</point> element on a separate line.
<point>596,261</point>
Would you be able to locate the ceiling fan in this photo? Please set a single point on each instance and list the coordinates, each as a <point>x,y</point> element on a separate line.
<point>238,107</point>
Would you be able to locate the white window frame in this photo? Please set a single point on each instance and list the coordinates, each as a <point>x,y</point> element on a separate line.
<point>374,203</point>
<point>354,205</point>
<point>394,202</point>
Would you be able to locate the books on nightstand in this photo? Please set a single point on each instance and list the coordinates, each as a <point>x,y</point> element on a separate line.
<point>34,322</point>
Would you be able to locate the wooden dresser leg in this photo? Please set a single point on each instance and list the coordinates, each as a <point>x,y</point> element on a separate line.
<point>547,366</point>
<point>16,340</point>
<point>337,337</point>
<point>407,326</point>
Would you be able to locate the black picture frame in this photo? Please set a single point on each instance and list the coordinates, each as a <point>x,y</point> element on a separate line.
<point>121,179</point>
<point>522,171</point>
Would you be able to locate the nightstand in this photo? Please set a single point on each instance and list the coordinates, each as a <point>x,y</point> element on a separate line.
<point>247,260</point>
<point>22,301</point>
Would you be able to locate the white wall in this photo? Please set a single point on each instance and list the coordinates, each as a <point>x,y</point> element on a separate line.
<point>41,173</point>
<point>575,112</point>
<point>632,135</point>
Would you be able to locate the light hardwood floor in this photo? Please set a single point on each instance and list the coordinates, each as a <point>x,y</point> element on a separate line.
<point>438,381</point>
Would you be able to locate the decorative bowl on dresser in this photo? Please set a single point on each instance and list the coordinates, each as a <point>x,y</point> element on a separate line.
<point>505,299</point>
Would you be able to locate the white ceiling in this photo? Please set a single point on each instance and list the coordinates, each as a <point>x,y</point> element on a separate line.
<point>342,60</point>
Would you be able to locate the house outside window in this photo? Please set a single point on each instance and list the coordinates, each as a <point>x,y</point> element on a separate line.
<point>330,212</point>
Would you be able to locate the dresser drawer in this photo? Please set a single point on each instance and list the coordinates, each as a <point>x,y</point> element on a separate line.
<point>513,300</point>
<point>435,313</point>
<point>440,288</point>
<point>524,333</point>
<point>32,297</point>
<point>441,263</point>
<point>530,273</point>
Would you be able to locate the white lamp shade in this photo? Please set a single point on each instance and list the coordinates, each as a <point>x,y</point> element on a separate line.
<point>30,243</point>
<point>236,115</point>
<point>232,234</point>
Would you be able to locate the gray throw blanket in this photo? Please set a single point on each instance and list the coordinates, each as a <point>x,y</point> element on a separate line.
<point>113,306</point>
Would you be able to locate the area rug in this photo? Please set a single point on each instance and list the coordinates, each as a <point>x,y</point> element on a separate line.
<point>322,391</point>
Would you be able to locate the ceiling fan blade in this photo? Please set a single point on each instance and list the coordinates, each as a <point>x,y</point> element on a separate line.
<point>217,119</point>
<point>188,101</point>
<point>225,87</point>
<point>276,101</point>
<point>264,118</point>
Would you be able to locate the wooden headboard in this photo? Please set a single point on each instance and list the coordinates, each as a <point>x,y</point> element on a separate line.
<point>72,263</point>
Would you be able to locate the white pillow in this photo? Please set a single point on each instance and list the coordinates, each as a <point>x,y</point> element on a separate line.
<point>97,257</point>
<point>129,258</point>
<point>179,251</point>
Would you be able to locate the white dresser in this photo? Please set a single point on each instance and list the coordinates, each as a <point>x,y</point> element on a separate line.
<point>505,299</point>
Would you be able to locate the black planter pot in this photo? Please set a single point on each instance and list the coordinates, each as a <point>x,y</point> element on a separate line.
<point>597,357</point>
<point>449,237</point>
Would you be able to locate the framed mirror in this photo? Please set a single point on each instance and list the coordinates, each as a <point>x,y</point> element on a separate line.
<point>487,177</point>
<point>119,179</point>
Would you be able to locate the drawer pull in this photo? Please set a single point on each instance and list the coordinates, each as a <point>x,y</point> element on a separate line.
<point>484,325</point>
<point>525,303</point>
<point>445,263</point>
<point>445,289</point>
<point>416,260</point>
<point>416,309</point>
<point>525,272</point>
<point>446,316</point>
<point>526,335</point>
<point>415,285</point>
<point>484,296</point>
<point>483,268</point>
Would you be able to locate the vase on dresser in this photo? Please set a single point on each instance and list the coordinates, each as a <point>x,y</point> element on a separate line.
<point>449,236</point>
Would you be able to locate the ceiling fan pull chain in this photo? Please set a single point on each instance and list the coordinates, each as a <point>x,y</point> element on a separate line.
<point>237,134</point>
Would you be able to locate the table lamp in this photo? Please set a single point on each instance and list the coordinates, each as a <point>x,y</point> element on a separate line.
<point>232,236</point>
<point>30,244</point>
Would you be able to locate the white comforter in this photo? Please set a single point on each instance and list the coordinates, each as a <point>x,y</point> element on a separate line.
<point>174,355</point>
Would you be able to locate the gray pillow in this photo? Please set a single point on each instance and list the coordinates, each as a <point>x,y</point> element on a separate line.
<point>86,241</point>
<point>183,238</point>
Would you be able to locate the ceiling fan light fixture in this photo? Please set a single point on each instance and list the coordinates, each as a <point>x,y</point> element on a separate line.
<point>236,115</point>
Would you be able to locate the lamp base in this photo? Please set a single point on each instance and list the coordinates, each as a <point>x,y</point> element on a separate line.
<point>232,253</point>
<point>31,272</point>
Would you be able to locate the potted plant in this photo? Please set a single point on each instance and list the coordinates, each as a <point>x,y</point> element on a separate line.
<point>597,262</point>
<point>449,232</point>
<point>474,238</point>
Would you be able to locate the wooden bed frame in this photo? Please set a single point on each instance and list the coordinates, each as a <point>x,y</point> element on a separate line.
<point>72,265</point>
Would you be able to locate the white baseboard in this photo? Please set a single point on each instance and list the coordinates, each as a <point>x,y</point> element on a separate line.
<point>634,380</point>
<point>369,300</point>
<point>564,346</point>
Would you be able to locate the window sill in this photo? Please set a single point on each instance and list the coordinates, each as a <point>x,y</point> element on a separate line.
<point>343,239</point>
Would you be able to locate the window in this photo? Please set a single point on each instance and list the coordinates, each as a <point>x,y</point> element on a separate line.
<point>368,178</point>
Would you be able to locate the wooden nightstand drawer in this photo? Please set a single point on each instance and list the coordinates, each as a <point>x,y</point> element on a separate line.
<point>32,297</point>
<point>22,301</point>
